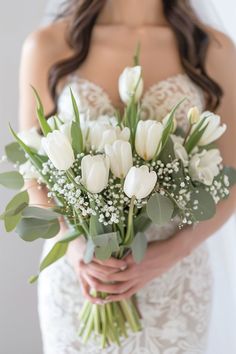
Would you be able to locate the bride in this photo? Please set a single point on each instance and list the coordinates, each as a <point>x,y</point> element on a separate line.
<point>86,48</point>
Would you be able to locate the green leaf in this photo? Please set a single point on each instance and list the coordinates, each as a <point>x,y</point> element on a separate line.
<point>18,200</point>
<point>160,209</point>
<point>89,251</point>
<point>14,211</point>
<point>45,127</point>
<point>231,173</point>
<point>12,180</point>
<point>15,153</point>
<point>141,222</point>
<point>169,126</point>
<point>30,229</point>
<point>206,207</point>
<point>77,138</point>
<point>106,244</point>
<point>57,252</point>
<point>139,246</point>
<point>95,227</point>
<point>75,108</point>
<point>167,154</point>
<point>196,135</point>
<point>40,213</point>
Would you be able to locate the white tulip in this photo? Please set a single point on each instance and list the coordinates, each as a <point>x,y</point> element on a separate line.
<point>31,138</point>
<point>59,150</point>
<point>181,153</point>
<point>66,130</point>
<point>213,131</point>
<point>204,166</point>
<point>139,182</point>
<point>120,155</point>
<point>95,172</point>
<point>129,81</point>
<point>148,138</point>
<point>102,132</point>
<point>193,115</point>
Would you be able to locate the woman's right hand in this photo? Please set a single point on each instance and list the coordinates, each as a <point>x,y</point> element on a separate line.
<point>90,274</point>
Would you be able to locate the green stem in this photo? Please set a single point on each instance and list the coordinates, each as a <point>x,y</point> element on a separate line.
<point>130,221</point>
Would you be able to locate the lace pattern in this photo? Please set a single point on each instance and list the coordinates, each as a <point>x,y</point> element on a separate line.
<point>176,306</point>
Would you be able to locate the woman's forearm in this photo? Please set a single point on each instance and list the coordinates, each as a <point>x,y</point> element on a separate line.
<point>187,239</point>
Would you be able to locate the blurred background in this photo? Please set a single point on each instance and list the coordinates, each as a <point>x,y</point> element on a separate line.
<point>19,327</point>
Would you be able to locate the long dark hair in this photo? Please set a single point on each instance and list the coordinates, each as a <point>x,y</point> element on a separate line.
<point>192,39</point>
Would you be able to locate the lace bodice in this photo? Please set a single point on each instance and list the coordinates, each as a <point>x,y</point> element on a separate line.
<point>156,101</point>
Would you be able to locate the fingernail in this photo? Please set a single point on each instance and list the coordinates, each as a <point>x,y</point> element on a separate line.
<point>123,267</point>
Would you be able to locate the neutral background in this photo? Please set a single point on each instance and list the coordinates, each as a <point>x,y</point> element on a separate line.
<point>19,329</point>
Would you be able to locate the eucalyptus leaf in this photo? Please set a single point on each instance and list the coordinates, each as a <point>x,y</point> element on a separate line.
<point>202,204</point>
<point>30,229</point>
<point>160,209</point>
<point>106,244</point>
<point>95,227</point>
<point>15,153</point>
<point>40,213</point>
<point>12,180</point>
<point>18,200</point>
<point>141,222</point>
<point>231,173</point>
<point>14,211</point>
<point>89,251</point>
<point>139,246</point>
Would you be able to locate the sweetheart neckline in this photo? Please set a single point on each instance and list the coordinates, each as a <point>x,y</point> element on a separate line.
<point>71,78</point>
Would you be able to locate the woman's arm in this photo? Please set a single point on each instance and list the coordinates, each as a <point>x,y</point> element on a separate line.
<point>37,56</point>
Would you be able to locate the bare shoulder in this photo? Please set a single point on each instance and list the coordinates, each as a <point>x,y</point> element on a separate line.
<point>48,42</point>
<point>221,57</point>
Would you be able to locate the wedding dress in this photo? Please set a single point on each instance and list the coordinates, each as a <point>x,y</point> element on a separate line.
<point>175,307</point>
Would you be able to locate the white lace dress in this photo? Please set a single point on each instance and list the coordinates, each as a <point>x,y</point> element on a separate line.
<point>175,307</point>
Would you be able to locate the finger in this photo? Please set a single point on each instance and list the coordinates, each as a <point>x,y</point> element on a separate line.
<point>112,262</point>
<point>128,274</point>
<point>103,269</point>
<point>123,296</point>
<point>86,292</point>
<point>117,288</point>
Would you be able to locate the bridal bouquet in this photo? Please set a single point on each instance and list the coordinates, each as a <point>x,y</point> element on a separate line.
<point>110,179</point>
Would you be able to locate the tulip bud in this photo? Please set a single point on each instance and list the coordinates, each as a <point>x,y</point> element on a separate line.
<point>120,155</point>
<point>193,115</point>
<point>95,172</point>
<point>131,84</point>
<point>139,182</point>
<point>59,150</point>
<point>204,166</point>
<point>148,138</point>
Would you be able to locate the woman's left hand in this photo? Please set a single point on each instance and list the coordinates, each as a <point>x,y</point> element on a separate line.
<point>159,258</point>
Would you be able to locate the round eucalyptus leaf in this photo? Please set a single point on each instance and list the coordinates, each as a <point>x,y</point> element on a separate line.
<point>160,209</point>
<point>15,153</point>
<point>12,180</point>
<point>30,229</point>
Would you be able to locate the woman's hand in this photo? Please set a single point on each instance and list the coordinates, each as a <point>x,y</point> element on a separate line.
<point>89,274</point>
<point>123,278</point>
